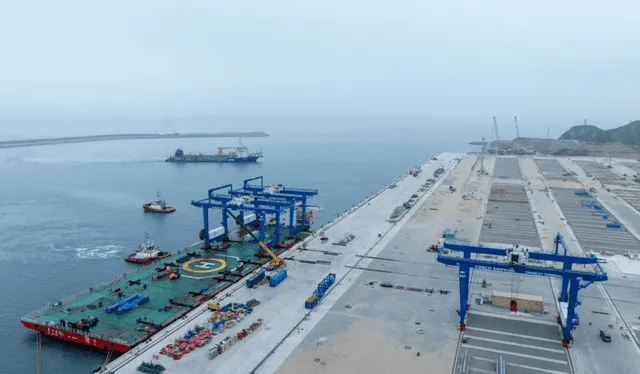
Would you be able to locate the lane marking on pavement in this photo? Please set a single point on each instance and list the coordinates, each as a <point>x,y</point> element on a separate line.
<point>516,344</point>
<point>499,351</point>
<point>513,334</point>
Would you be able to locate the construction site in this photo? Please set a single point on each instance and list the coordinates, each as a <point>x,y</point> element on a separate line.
<point>494,264</point>
<point>522,145</point>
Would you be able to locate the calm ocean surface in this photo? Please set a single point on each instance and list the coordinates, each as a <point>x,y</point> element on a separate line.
<point>69,213</point>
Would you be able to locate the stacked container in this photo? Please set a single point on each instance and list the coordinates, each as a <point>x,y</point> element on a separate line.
<point>278,278</point>
<point>227,342</point>
<point>255,279</point>
<point>320,291</point>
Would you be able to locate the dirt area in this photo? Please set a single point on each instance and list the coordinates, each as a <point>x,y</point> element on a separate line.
<point>467,184</point>
<point>530,146</point>
<point>344,351</point>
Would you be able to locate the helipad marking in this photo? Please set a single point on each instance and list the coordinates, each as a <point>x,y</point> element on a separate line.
<point>206,265</point>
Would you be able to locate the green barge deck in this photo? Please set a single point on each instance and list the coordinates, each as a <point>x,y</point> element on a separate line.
<point>203,275</point>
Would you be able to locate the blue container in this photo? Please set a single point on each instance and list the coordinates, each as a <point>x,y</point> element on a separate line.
<point>112,308</point>
<point>450,233</point>
<point>320,291</point>
<point>311,302</point>
<point>132,304</point>
<point>613,225</point>
<point>255,279</point>
<point>226,308</point>
<point>278,278</point>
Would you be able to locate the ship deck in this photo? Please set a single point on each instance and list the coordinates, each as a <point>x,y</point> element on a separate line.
<point>197,283</point>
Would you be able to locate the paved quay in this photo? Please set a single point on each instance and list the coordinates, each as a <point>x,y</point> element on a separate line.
<point>362,327</point>
<point>282,308</point>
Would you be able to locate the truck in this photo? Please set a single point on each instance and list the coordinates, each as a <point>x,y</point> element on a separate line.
<point>436,247</point>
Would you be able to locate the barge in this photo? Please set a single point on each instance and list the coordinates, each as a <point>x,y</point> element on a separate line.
<point>174,286</point>
<point>238,154</point>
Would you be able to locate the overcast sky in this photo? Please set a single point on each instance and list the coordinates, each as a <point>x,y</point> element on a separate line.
<point>333,57</point>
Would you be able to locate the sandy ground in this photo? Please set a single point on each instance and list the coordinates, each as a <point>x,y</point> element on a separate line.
<point>348,340</point>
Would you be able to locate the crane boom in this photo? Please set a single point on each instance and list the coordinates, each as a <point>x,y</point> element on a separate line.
<point>275,260</point>
<point>495,128</point>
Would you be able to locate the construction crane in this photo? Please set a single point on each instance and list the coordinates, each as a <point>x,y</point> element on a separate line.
<point>515,122</point>
<point>484,148</point>
<point>276,261</point>
<point>495,128</point>
<point>167,122</point>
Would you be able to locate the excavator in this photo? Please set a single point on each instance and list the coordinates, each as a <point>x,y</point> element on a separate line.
<point>276,261</point>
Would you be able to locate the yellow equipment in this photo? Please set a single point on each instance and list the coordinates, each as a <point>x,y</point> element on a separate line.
<point>275,260</point>
<point>213,306</point>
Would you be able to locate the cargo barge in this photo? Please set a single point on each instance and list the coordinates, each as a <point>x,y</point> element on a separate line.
<point>130,309</point>
<point>238,154</point>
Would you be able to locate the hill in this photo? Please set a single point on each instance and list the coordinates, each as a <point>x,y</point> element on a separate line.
<point>628,134</point>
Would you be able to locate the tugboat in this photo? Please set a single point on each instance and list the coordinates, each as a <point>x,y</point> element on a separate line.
<point>147,252</point>
<point>158,205</point>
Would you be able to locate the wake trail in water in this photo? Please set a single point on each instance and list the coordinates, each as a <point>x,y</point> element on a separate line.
<point>103,252</point>
<point>48,160</point>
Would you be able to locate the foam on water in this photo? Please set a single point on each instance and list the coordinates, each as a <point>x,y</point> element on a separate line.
<point>100,252</point>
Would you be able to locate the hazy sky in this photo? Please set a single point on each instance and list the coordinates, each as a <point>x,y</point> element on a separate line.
<point>337,57</point>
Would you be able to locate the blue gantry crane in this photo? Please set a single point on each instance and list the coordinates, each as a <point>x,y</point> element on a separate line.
<point>515,259</point>
<point>293,195</point>
<point>279,204</point>
<point>220,198</point>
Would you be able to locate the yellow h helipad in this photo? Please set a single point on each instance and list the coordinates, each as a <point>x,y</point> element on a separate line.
<point>204,265</point>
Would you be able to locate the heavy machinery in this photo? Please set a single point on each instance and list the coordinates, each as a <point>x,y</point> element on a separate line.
<point>520,260</point>
<point>214,307</point>
<point>276,261</point>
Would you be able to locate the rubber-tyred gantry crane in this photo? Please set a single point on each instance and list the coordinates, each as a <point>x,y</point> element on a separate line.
<point>516,260</point>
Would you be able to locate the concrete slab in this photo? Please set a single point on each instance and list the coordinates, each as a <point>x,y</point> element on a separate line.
<point>551,169</point>
<point>506,167</point>
<point>599,310</point>
<point>631,197</point>
<point>520,343</point>
<point>601,172</point>
<point>590,225</point>
<point>508,219</point>
<point>634,165</point>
